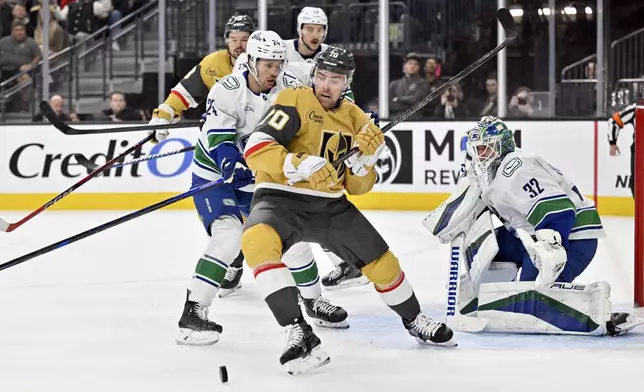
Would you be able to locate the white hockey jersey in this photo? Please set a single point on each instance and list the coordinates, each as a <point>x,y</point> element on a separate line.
<point>232,112</point>
<point>527,190</point>
<point>293,56</point>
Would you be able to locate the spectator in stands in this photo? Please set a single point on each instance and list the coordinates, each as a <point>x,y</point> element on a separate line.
<point>408,90</point>
<point>110,12</point>
<point>118,110</point>
<point>80,19</point>
<point>18,55</point>
<point>489,107</point>
<point>452,104</point>
<point>522,103</point>
<point>20,15</point>
<point>5,18</point>
<point>58,104</point>
<point>432,72</point>
<point>56,32</point>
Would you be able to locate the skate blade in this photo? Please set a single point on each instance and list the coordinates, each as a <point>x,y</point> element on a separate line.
<point>632,321</point>
<point>189,337</point>
<point>449,344</point>
<point>226,292</point>
<point>344,324</point>
<point>317,358</point>
<point>361,281</point>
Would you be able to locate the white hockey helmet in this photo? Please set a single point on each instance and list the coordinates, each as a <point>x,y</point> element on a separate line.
<point>264,44</point>
<point>312,15</point>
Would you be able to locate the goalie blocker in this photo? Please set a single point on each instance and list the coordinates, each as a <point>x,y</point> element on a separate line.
<point>485,297</point>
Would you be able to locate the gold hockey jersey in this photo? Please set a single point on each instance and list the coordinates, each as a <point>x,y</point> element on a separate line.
<point>295,123</point>
<point>195,86</point>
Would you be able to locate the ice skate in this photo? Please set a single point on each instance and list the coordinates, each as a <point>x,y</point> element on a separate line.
<point>343,276</point>
<point>302,352</point>
<point>232,281</point>
<point>430,332</point>
<point>195,329</point>
<point>324,314</point>
<point>620,323</point>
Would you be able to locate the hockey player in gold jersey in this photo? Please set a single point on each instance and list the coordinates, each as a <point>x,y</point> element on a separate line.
<point>299,196</point>
<point>195,86</point>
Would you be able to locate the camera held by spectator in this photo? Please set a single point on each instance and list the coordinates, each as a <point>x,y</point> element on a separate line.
<point>522,103</point>
<point>451,104</point>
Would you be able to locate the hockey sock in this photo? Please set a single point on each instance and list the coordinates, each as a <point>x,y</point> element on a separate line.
<point>223,247</point>
<point>333,257</point>
<point>299,260</point>
<point>400,297</point>
<point>278,285</point>
<point>307,280</point>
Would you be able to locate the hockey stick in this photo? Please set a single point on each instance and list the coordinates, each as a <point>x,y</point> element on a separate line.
<point>108,225</point>
<point>507,22</point>
<point>83,161</point>
<point>52,117</point>
<point>9,227</point>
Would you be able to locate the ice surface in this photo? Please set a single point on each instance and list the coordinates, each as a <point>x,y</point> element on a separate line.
<point>101,314</point>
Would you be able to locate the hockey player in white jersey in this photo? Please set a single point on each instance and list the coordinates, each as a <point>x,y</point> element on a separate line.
<point>312,25</point>
<point>513,210</point>
<point>233,108</point>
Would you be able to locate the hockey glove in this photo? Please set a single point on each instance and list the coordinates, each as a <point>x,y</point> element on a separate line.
<point>162,115</point>
<point>235,172</point>
<point>371,144</point>
<point>547,254</point>
<point>316,170</point>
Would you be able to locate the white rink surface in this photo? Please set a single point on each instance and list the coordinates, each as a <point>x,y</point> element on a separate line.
<point>101,314</point>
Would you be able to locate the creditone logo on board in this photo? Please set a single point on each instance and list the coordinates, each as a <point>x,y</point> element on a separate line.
<point>39,160</point>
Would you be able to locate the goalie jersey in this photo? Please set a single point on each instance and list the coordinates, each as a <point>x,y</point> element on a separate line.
<point>529,193</point>
<point>232,112</point>
<point>298,123</point>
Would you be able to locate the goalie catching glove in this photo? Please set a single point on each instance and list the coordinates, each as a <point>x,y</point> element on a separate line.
<point>304,167</point>
<point>370,142</point>
<point>547,254</point>
<point>162,115</point>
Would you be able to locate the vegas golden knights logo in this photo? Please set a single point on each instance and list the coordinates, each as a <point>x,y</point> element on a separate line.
<point>334,144</point>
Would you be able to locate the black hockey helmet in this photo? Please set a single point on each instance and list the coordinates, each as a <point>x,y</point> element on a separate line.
<point>242,23</point>
<point>337,60</point>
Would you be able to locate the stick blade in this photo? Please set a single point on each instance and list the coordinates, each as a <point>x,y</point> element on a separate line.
<point>52,117</point>
<point>86,163</point>
<point>507,22</point>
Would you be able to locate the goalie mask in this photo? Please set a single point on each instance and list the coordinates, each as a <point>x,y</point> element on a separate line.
<point>488,143</point>
<point>267,45</point>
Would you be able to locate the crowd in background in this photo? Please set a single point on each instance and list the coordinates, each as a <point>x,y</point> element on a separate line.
<point>421,76</point>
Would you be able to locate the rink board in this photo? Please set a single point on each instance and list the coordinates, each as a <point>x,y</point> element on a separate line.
<point>417,171</point>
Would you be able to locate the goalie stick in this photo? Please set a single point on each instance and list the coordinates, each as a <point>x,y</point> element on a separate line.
<point>83,161</point>
<point>507,22</point>
<point>9,227</point>
<point>65,128</point>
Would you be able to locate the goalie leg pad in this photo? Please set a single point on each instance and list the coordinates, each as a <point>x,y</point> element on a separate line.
<point>223,246</point>
<point>480,248</point>
<point>299,260</point>
<point>561,308</point>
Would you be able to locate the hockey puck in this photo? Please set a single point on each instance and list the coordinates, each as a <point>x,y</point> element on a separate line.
<point>223,374</point>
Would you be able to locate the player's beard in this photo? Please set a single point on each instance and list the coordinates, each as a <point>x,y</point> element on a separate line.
<point>310,46</point>
<point>235,53</point>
